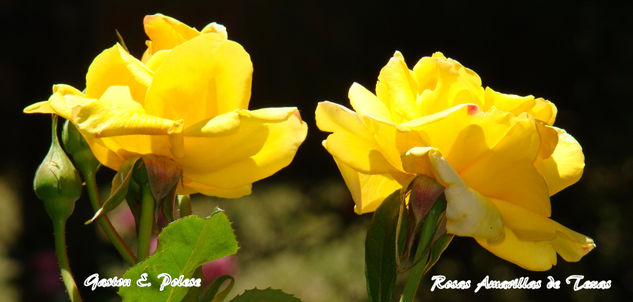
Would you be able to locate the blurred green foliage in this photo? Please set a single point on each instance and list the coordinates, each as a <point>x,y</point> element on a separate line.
<point>295,239</point>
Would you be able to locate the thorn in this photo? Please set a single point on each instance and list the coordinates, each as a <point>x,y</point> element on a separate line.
<point>118,34</point>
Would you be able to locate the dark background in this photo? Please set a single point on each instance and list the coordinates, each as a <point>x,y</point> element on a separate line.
<point>578,54</point>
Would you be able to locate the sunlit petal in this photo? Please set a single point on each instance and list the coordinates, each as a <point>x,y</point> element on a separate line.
<point>166,32</point>
<point>368,190</point>
<point>201,78</point>
<point>116,67</point>
<point>263,142</point>
<point>566,164</point>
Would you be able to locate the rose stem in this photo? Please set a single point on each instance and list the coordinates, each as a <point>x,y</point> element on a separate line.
<point>146,223</point>
<point>106,225</point>
<point>59,232</point>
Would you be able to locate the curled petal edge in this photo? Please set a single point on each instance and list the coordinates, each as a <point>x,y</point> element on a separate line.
<point>468,213</point>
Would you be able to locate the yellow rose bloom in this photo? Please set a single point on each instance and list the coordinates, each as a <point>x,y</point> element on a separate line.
<point>186,101</point>
<point>498,156</point>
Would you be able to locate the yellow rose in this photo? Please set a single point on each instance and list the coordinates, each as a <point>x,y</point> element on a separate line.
<point>498,155</point>
<point>186,101</point>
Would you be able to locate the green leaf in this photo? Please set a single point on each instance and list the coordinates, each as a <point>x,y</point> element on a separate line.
<point>264,295</point>
<point>183,246</point>
<point>119,189</point>
<point>380,250</point>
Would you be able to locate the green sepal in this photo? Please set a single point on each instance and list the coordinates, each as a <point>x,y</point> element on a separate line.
<point>433,226</point>
<point>133,199</point>
<point>119,189</point>
<point>79,150</point>
<point>162,175</point>
<point>438,247</point>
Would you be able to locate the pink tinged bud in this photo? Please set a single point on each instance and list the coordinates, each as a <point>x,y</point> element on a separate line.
<point>163,175</point>
<point>423,192</point>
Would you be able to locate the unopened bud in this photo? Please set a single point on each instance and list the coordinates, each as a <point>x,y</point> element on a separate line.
<point>56,181</point>
<point>424,191</point>
<point>163,175</point>
<point>76,146</point>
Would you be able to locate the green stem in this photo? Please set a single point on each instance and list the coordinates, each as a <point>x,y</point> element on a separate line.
<point>104,222</point>
<point>146,223</point>
<point>59,232</point>
<point>429,226</point>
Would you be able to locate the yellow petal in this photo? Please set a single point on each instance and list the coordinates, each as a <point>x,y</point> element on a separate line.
<point>492,151</point>
<point>261,145</point>
<point>230,122</point>
<point>443,83</point>
<point>544,110</point>
<point>416,161</point>
<point>157,59</point>
<point>366,103</point>
<point>105,156</point>
<point>39,107</point>
<point>190,187</point>
<point>549,139</point>
<point>368,190</point>
<point>540,255</point>
<point>128,146</point>
<point>167,32</point>
<point>352,142</point>
<point>218,125</point>
<point>357,153</point>
<point>396,87</point>
<point>115,114</point>
<point>115,126</point>
<point>116,67</point>
<point>201,78</point>
<point>462,133</point>
<point>565,165</point>
<point>331,117</point>
<point>65,98</point>
<point>540,236</point>
<point>64,101</point>
<point>507,171</point>
<point>530,255</point>
<point>59,92</point>
<point>538,108</point>
<point>468,213</point>
<point>525,224</point>
<point>215,28</point>
<point>571,245</point>
<point>392,141</point>
<point>440,129</point>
